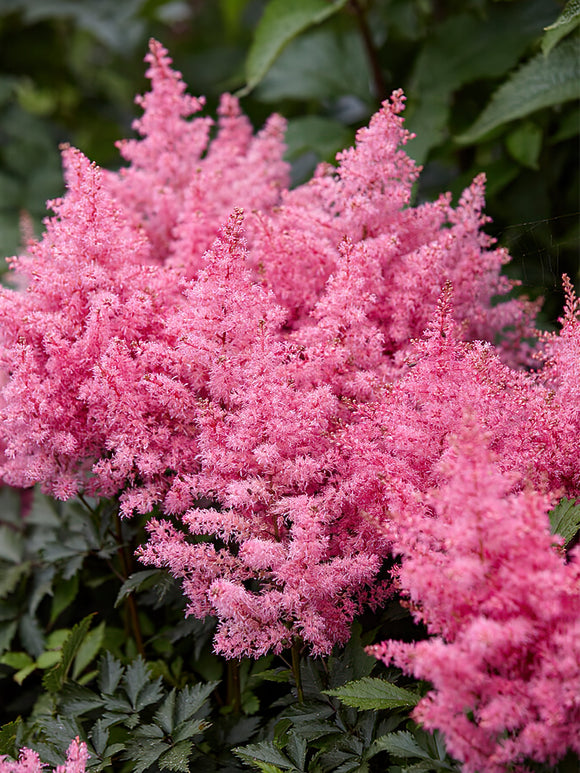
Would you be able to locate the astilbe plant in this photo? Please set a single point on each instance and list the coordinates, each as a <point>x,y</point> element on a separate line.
<point>29,761</point>
<point>262,379</point>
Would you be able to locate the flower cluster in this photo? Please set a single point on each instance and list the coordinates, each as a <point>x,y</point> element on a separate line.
<point>29,761</point>
<point>303,389</point>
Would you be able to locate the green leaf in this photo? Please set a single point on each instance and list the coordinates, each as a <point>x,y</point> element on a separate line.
<point>314,133</point>
<point>135,582</point>
<point>65,592</point>
<point>77,700</point>
<point>280,23</point>
<point>566,22</point>
<point>89,649</point>
<point>263,752</point>
<point>524,144</point>
<point>541,82</point>
<point>11,545</point>
<point>16,660</point>
<point>401,744</point>
<point>370,693</point>
<point>55,679</point>
<point>176,758</point>
<point>321,64</point>
<point>463,49</point>
<point>110,672</point>
<point>10,735</point>
<point>10,577</point>
<point>7,631</point>
<point>565,519</point>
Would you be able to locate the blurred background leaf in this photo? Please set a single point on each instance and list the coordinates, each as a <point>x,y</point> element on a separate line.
<point>492,86</point>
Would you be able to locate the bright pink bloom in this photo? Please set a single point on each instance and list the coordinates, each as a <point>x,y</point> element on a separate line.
<point>29,761</point>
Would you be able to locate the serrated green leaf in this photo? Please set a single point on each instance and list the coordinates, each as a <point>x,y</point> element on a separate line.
<point>165,714</point>
<point>176,758</point>
<point>7,631</point>
<point>143,752</point>
<point>263,752</point>
<point>189,729</point>
<point>369,693</point>
<point>31,635</point>
<point>135,582</point>
<point>191,699</point>
<point>135,678</point>
<point>10,577</point>
<point>401,744</point>
<point>100,737</point>
<point>10,737</point>
<point>266,767</point>
<point>89,649</point>
<point>150,693</point>
<point>55,679</point>
<point>541,82</point>
<point>566,22</point>
<point>110,672</point>
<point>565,519</point>
<point>77,700</point>
<point>280,23</point>
<point>11,545</point>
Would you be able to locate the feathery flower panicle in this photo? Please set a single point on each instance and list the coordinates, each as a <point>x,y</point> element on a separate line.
<point>29,761</point>
<point>169,354</point>
<point>503,610</point>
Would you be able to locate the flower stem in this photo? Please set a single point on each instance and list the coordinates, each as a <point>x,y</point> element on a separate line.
<point>234,687</point>
<point>296,647</point>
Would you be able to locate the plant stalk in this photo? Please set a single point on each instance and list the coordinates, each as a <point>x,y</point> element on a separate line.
<point>296,647</point>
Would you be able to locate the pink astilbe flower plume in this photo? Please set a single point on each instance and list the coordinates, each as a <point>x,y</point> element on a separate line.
<point>29,761</point>
<point>302,391</point>
<point>503,608</point>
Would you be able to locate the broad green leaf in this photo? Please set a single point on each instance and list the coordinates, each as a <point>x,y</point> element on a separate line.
<point>314,133</point>
<point>321,64</point>
<point>89,649</point>
<point>280,23</point>
<point>55,679</point>
<point>566,22</point>
<point>463,49</point>
<point>541,82</point>
<point>369,693</point>
<point>565,519</point>
<point>16,660</point>
<point>524,144</point>
<point>264,752</point>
